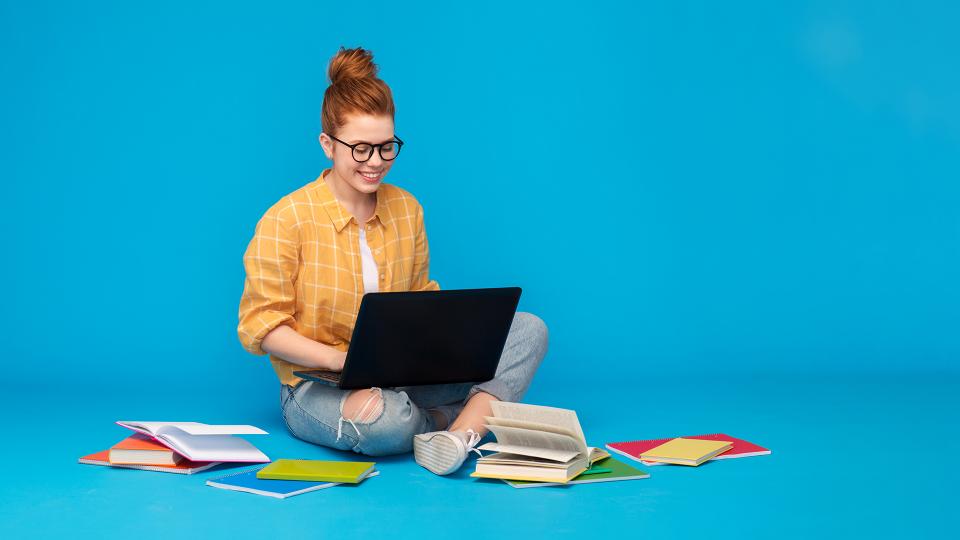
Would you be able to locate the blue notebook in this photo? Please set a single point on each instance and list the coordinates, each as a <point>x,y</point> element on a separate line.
<point>248,482</point>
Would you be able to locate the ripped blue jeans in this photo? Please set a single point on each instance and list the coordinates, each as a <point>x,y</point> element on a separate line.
<point>313,411</point>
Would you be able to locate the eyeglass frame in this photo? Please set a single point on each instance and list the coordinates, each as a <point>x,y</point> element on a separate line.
<point>378,147</point>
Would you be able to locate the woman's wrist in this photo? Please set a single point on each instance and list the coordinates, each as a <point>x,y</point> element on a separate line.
<point>333,359</point>
<point>284,342</point>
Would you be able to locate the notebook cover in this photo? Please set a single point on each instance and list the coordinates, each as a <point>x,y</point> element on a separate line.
<point>184,467</point>
<point>619,471</point>
<point>247,482</point>
<point>741,448</point>
<point>313,470</point>
<point>682,450</point>
<point>521,477</point>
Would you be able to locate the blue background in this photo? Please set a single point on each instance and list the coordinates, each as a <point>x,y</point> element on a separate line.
<point>751,208</point>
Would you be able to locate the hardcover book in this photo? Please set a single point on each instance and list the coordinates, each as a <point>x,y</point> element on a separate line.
<point>608,470</point>
<point>184,467</point>
<point>140,449</point>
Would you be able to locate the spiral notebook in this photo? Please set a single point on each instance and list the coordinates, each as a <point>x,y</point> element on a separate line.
<point>247,482</point>
<point>741,448</point>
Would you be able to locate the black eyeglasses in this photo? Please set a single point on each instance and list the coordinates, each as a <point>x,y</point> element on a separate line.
<point>364,151</point>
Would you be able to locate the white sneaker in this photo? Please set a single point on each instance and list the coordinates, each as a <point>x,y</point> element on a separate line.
<point>443,452</point>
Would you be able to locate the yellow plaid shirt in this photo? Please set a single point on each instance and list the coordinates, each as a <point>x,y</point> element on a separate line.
<point>303,265</point>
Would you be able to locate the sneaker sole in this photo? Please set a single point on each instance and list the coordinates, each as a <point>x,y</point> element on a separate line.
<point>438,454</point>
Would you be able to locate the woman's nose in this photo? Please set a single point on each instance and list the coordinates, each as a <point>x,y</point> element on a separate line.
<point>375,160</point>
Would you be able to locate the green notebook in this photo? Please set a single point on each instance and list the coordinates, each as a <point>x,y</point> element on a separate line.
<point>618,471</point>
<point>350,472</point>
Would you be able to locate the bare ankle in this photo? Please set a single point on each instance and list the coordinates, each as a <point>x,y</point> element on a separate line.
<point>439,419</point>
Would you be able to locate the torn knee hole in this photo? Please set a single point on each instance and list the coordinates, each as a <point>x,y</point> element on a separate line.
<point>363,406</point>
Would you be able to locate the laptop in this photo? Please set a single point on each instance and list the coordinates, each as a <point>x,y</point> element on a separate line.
<point>426,337</point>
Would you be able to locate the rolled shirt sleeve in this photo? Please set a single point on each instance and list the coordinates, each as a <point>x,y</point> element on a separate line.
<point>271,262</point>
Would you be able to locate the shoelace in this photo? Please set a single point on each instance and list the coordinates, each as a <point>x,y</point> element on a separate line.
<point>473,438</point>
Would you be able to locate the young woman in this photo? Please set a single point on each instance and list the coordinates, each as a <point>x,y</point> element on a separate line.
<point>318,250</point>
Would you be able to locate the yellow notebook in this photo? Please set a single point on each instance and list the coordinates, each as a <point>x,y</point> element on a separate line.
<point>313,470</point>
<point>682,451</point>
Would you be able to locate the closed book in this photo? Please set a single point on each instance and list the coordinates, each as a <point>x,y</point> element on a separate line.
<point>184,467</point>
<point>350,472</point>
<point>503,465</point>
<point>139,449</point>
<point>612,471</point>
<point>682,451</point>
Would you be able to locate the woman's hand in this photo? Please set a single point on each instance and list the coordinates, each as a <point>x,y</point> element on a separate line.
<point>336,361</point>
<point>286,343</point>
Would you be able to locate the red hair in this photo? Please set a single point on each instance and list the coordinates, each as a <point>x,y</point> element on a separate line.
<point>354,88</point>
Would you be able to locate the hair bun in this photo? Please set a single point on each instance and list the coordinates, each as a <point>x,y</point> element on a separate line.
<point>351,64</point>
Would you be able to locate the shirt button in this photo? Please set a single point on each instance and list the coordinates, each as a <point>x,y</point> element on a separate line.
<point>369,227</point>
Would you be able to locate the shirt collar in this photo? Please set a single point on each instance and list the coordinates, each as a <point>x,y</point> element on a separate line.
<point>339,215</point>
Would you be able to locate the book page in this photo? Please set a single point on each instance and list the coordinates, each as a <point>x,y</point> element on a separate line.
<point>506,458</point>
<point>564,418</point>
<point>535,455</point>
<point>530,438</point>
<point>152,428</point>
<point>596,454</point>
<point>210,447</point>
<point>193,428</point>
<point>509,422</point>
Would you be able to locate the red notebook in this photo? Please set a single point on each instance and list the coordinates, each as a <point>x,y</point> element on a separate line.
<point>741,448</point>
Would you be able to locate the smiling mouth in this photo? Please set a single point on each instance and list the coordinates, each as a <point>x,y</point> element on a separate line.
<point>371,176</point>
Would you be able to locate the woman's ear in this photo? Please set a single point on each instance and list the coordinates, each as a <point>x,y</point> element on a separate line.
<point>327,144</point>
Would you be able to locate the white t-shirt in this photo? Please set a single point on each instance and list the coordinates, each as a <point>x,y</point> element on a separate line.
<point>368,265</point>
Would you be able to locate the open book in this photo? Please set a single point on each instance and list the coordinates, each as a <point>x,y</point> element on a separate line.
<point>535,443</point>
<point>203,442</point>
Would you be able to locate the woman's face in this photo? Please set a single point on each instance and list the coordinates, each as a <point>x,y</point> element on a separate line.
<point>359,128</point>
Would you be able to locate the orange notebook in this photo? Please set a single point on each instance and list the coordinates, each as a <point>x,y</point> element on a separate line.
<point>139,449</point>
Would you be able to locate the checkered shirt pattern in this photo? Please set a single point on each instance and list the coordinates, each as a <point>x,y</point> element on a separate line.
<point>303,265</point>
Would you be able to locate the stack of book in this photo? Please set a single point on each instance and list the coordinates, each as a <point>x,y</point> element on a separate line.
<point>179,447</point>
<point>288,477</point>
<point>540,446</point>
<point>545,446</point>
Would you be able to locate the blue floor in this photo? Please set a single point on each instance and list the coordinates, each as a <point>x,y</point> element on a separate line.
<point>851,457</point>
